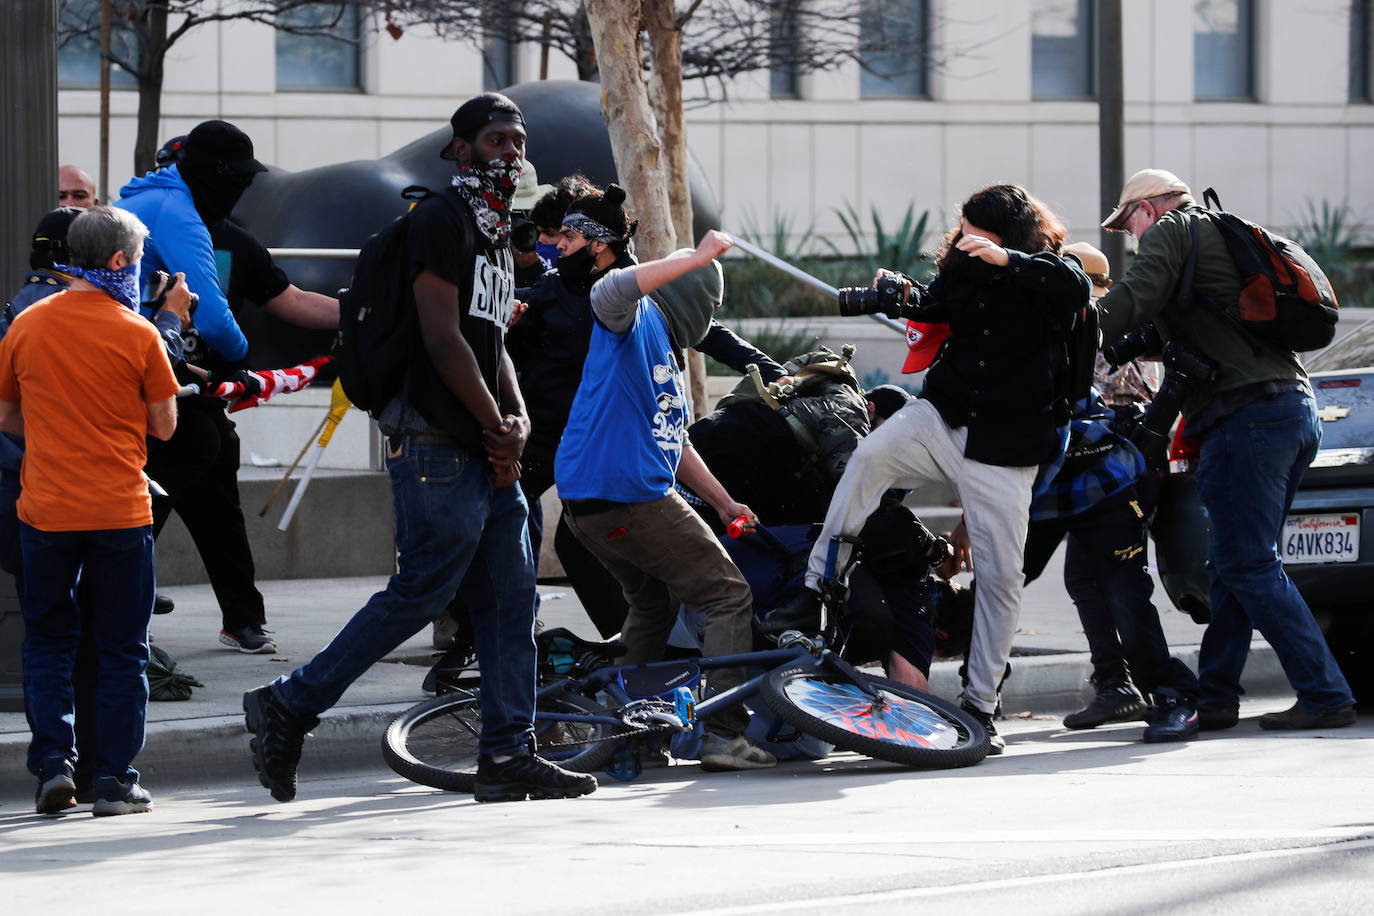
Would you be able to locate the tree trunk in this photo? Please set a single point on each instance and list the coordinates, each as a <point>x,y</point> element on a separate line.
<point>665,92</point>
<point>152,54</point>
<point>635,143</point>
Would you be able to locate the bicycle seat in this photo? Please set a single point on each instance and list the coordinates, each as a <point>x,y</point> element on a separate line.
<point>560,647</point>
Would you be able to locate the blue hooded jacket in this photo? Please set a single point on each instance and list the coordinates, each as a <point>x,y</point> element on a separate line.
<point>179,241</point>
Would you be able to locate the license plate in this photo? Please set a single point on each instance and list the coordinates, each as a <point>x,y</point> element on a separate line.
<point>1321,538</point>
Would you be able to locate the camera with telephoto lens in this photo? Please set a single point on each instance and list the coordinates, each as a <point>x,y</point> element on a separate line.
<point>1182,370</point>
<point>884,296</point>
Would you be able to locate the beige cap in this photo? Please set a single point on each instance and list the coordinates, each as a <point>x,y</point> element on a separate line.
<point>1142,185</point>
<point>528,190</point>
<point>1094,264</point>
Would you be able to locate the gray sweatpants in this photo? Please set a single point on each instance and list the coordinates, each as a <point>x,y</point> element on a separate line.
<point>915,447</point>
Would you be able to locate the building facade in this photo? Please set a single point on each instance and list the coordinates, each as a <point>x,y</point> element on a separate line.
<point>1269,101</point>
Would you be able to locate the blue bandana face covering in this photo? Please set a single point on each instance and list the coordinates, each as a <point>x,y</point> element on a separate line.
<point>547,253</point>
<point>120,285</point>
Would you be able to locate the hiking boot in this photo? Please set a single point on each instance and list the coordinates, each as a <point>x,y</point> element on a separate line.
<point>251,640</point>
<point>719,753</point>
<point>530,776</point>
<point>1218,718</point>
<point>802,611</point>
<point>115,797</point>
<point>163,605</point>
<point>1174,718</point>
<point>56,788</point>
<point>996,743</point>
<point>1295,718</point>
<point>278,735</point>
<point>1115,701</point>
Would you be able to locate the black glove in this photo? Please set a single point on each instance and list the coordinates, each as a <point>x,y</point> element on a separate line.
<point>252,386</point>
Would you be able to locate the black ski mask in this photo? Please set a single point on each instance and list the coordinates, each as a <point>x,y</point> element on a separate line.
<point>215,187</point>
<point>217,164</point>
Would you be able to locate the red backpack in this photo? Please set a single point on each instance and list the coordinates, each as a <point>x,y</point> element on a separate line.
<point>1285,299</point>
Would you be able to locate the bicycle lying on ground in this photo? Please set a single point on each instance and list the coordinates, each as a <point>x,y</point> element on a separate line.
<point>592,713</point>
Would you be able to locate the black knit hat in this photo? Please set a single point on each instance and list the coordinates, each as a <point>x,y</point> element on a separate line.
<point>608,210</point>
<point>887,399</point>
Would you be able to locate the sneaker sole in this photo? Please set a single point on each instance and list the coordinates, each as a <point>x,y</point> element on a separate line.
<point>515,791</point>
<point>105,808</point>
<point>57,799</point>
<point>252,718</point>
<point>233,643</point>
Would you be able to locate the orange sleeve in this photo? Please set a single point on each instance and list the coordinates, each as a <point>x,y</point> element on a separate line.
<point>159,383</point>
<point>9,382</point>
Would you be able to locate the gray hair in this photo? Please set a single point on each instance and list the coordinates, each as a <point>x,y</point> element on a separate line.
<point>99,232</point>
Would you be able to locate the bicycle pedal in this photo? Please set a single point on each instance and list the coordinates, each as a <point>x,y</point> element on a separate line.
<point>625,766</point>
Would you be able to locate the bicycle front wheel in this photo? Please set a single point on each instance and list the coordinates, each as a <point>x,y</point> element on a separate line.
<point>902,725</point>
<point>435,743</point>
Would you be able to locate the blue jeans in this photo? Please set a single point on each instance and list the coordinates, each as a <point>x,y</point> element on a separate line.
<point>450,523</point>
<point>115,570</point>
<point>1250,468</point>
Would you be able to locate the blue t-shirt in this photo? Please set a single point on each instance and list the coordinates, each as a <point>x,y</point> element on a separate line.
<point>624,436</point>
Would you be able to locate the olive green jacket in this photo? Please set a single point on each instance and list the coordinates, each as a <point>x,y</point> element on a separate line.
<point>1148,293</point>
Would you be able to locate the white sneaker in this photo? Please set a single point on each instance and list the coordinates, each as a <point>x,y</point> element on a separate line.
<point>720,753</point>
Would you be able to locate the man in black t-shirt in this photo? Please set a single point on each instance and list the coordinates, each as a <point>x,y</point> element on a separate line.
<point>455,433</point>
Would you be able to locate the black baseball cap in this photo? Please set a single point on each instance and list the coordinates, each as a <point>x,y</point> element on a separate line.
<point>222,142</point>
<point>476,113</point>
<point>50,237</point>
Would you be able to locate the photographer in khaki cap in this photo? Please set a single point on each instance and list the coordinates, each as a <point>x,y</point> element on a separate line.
<point>1257,422</point>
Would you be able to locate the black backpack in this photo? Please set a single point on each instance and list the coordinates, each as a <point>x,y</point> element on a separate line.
<point>1285,298</point>
<point>1076,348</point>
<point>379,329</point>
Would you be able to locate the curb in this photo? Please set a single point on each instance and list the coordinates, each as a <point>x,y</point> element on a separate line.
<point>196,751</point>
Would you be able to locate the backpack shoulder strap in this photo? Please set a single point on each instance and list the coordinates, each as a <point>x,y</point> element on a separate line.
<point>1210,199</point>
<point>1185,280</point>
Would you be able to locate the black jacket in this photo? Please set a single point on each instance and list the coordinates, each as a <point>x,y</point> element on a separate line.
<point>996,373</point>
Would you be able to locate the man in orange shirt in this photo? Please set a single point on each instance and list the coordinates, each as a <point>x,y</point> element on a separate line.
<point>85,510</point>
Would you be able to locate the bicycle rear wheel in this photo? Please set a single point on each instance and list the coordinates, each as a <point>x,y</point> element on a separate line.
<point>904,725</point>
<point>435,743</point>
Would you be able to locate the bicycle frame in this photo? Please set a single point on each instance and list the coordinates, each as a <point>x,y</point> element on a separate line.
<point>607,679</point>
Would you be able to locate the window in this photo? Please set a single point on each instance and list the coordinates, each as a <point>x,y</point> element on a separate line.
<point>498,57</point>
<point>784,36</point>
<point>78,57</point>
<point>1224,49</point>
<point>326,60</point>
<point>1062,50</point>
<point>899,69</point>
<point>1359,51</point>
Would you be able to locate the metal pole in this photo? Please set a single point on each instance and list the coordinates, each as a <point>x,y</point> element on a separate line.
<point>792,271</point>
<point>105,25</point>
<point>1111,126</point>
<point>28,160</point>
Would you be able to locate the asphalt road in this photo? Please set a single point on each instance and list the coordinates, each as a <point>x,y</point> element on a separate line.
<point>1243,821</point>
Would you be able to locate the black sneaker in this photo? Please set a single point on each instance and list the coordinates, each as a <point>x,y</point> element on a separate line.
<point>56,788</point>
<point>1218,718</point>
<point>278,735</point>
<point>251,640</point>
<point>528,776</point>
<point>1174,719</point>
<point>115,797</point>
<point>1115,701</point>
<point>997,744</point>
<point>163,605</point>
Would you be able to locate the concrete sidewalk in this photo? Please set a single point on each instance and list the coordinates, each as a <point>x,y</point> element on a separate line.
<point>203,738</point>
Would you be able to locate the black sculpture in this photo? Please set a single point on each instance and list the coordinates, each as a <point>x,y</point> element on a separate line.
<point>339,206</point>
